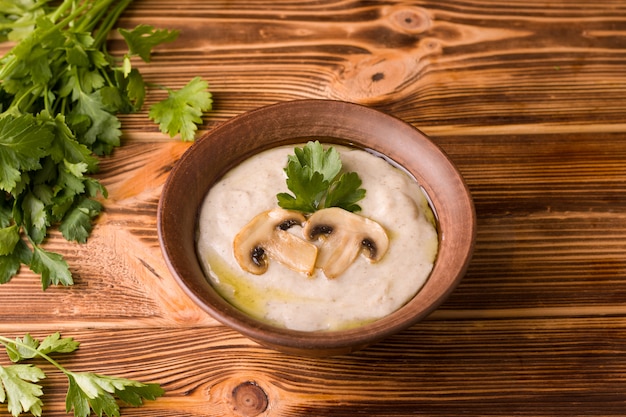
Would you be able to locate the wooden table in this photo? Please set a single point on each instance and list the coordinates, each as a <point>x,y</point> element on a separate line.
<point>529,100</point>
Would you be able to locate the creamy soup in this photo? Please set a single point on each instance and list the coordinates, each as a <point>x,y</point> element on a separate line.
<point>280,296</point>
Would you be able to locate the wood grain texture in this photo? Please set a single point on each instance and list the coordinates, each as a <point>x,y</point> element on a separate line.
<point>528,99</point>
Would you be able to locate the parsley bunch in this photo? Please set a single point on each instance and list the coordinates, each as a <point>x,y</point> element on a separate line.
<point>314,177</point>
<point>87,391</point>
<point>60,93</point>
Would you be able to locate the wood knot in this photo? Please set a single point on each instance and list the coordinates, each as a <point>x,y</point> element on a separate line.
<point>249,399</point>
<point>377,79</point>
<point>410,19</point>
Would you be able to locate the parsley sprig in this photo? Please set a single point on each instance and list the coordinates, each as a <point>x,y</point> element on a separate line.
<point>60,94</point>
<point>315,178</point>
<point>87,391</point>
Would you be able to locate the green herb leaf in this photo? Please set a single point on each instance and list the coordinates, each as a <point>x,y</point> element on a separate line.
<point>183,109</point>
<point>29,347</point>
<point>9,266</point>
<point>315,179</point>
<point>64,146</point>
<point>144,38</point>
<point>35,217</point>
<point>308,187</point>
<point>99,128</point>
<point>52,268</point>
<point>22,144</point>
<point>54,343</point>
<point>9,236</point>
<point>23,348</point>
<point>345,192</point>
<point>135,88</point>
<point>19,388</point>
<point>6,217</point>
<point>88,390</point>
<point>77,223</point>
<point>314,157</point>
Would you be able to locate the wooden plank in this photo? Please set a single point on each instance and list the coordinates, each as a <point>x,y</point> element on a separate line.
<point>450,68</point>
<point>532,367</point>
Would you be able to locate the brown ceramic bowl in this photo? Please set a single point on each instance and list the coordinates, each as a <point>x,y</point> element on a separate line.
<point>295,122</point>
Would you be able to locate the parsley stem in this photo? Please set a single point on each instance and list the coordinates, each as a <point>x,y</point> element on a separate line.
<point>32,92</point>
<point>12,25</point>
<point>61,9</point>
<point>17,101</point>
<point>93,16</point>
<point>67,20</point>
<point>108,23</point>
<point>8,67</point>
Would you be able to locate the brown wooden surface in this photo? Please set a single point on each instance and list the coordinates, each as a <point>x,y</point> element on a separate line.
<point>529,100</point>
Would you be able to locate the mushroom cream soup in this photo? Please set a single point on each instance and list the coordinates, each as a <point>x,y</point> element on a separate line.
<point>364,292</point>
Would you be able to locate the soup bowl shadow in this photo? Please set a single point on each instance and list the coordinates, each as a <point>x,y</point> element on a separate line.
<point>332,122</point>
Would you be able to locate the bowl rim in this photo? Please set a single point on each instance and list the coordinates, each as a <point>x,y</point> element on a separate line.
<point>354,338</point>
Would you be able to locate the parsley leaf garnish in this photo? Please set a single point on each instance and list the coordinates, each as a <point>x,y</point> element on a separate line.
<point>182,109</point>
<point>51,266</point>
<point>144,38</point>
<point>87,391</point>
<point>314,177</point>
<point>22,145</point>
<point>60,96</point>
<point>18,386</point>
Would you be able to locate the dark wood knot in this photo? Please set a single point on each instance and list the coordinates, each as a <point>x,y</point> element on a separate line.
<point>412,19</point>
<point>249,399</point>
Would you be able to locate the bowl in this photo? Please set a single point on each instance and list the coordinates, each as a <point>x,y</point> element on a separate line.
<point>294,122</point>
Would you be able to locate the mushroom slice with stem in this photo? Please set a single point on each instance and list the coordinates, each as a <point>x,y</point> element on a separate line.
<point>344,236</point>
<point>267,236</point>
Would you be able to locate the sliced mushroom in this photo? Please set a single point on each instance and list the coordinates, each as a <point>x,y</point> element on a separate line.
<point>266,236</point>
<point>345,235</point>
